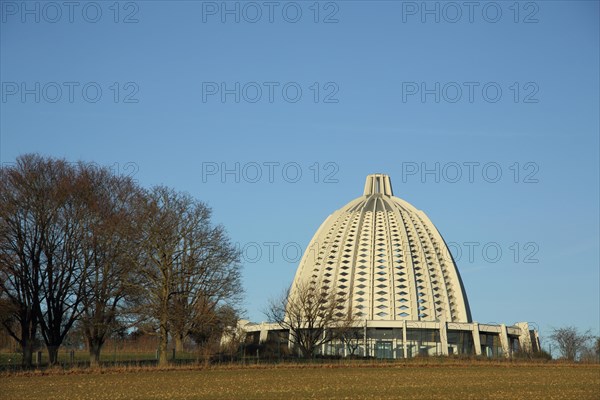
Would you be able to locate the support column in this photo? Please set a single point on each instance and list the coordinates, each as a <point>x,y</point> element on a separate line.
<point>537,346</point>
<point>264,333</point>
<point>365,339</point>
<point>504,341</point>
<point>404,343</point>
<point>525,344</point>
<point>344,348</point>
<point>444,337</point>
<point>290,342</point>
<point>476,339</point>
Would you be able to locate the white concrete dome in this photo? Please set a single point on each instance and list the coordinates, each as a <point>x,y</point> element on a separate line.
<point>387,259</point>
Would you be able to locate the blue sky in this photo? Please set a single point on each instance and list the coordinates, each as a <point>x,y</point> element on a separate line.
<point>176,92</point>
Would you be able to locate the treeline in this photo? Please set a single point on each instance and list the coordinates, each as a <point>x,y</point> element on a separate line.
<point>81,247</point>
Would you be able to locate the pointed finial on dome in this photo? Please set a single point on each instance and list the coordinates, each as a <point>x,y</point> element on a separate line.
<point>378,184</point>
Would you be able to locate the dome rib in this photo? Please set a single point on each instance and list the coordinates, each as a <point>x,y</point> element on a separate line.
<point>410,266</point>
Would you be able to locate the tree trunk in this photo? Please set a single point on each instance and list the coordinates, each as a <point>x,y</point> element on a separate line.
<point>27,349</point>
<point>95,346</point>
<point>179,343</point>
<point>163,357</point>
<point>27,339</point>
<point>52,354</point>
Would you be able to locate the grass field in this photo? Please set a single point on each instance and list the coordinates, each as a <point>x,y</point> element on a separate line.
<point>12,361</point>
<point>456,381</point>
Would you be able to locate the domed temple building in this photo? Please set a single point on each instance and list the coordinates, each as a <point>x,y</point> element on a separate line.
<point>398,279</point>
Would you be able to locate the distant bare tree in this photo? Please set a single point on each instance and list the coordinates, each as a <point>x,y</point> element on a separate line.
<point>313,316</point>
<point>351,337</point>
<point>570,341</point>
<point>216,330</point>
<point>8,314</point>
<point>231,335</point>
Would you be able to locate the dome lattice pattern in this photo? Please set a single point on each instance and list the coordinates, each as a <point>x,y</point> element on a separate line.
<point>387,259</point>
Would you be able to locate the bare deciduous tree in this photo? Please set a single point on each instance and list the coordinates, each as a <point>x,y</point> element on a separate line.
<point>63,269</point>
<point>313,316</point>
<point>186,261</point>
<point>351,337</point>
<point>78,243</point>
<point>570,341</point>
<point>207,274</point>
<point>38,249</point>
<point>48,221</point>
<point>109,253</point>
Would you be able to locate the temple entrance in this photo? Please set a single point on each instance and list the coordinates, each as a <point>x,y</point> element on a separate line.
<point>383,349</point>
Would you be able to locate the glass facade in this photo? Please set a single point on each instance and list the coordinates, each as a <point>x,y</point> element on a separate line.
<point>460,342</point>
<point>388,343</point>
<point>423,342</point>
<point>393,343</point>
<point>490,345</point>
